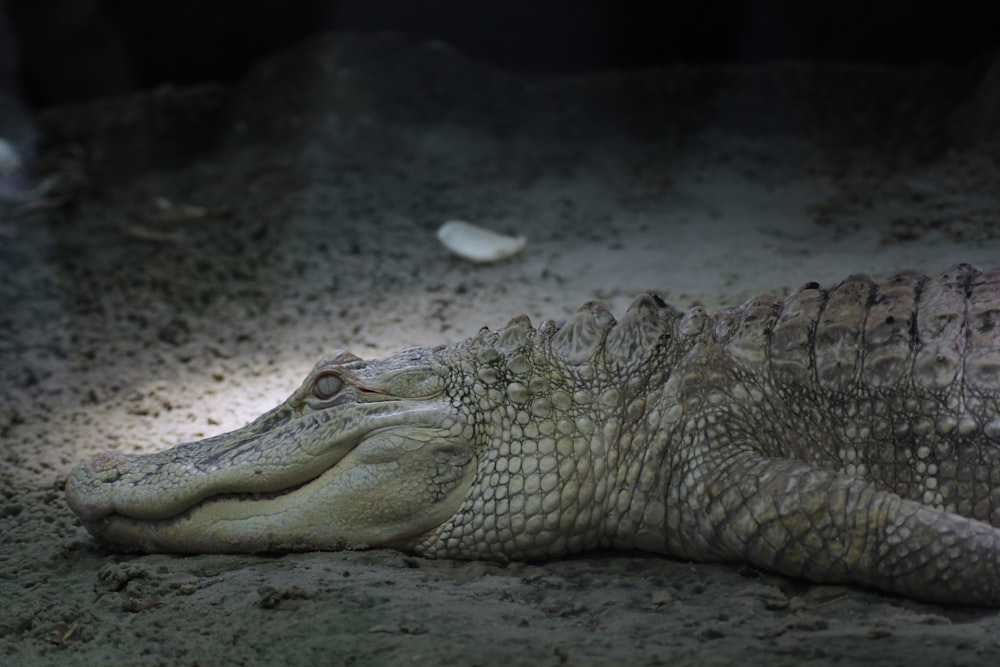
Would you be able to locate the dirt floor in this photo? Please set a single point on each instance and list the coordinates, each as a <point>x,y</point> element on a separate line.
<point>130,323</point>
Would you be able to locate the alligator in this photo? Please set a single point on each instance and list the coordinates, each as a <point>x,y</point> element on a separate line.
<point>844,435</point>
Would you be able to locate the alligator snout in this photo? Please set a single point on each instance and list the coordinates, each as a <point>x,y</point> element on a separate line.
<point>88,488</point>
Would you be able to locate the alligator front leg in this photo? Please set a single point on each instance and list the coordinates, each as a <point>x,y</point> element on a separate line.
<point>820,525</point>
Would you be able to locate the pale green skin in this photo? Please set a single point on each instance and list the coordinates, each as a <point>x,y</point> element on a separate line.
<point>848,435</point>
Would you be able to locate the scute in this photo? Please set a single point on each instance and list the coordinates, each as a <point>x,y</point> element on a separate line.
<point>583,333</point>
<point>647,320</point>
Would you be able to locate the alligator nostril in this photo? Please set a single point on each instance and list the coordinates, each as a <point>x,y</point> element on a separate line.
<point>106,461</point>
<point>82,490</point>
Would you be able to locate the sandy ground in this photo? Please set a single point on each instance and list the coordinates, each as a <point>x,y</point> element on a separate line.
<point>329,169</point>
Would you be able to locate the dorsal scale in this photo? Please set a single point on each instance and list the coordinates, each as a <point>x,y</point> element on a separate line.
<point>582,335</point>
<point>642,328</point>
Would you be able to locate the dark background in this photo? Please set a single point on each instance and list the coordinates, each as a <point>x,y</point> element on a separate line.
<point>68,50</point>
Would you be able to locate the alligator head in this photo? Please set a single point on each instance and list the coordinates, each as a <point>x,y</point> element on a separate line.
<point>362,454</point>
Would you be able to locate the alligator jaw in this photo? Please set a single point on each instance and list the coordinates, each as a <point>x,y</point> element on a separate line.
<point>276,452</point>
<point>258,471</point>
<point>230,522</point>
<point>292,479</point>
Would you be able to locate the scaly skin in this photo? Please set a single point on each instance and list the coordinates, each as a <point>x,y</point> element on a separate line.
<point>844,435</point>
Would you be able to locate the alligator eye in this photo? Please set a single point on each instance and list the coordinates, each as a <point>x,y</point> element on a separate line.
<point>327,386</point>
